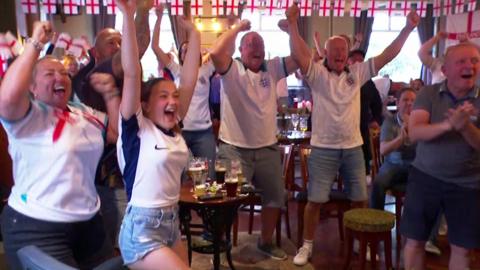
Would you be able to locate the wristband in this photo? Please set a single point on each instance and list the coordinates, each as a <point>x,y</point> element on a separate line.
<point>36,44</point>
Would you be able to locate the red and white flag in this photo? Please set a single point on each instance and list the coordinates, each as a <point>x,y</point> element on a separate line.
<point>405,7</point>
<point>111,6</point>
<point>70,7</point>
<point>323,8</point>
<point>437,8</point>
<point>157,3</point>
<point>176,7</point>
<point>3,66</point>
<point>92,6</point>
<point>49,6</point>
<point>77,48</point>
<point>196,7</point>
<point>29,6</point>
<point>13,44</point>
<point>285,4</point>
<point>421,8</point>
<point>447,7</point>
<point>231,7</point>
<point>372,7</point>
<point>217,7</point>
<point>339,8</point>
<point>461,26</point>
<point>273,6</point>
<point>459,6</point>
<point>472,5</point>
<point>356,7</point>
<point>5,51</point>
<point>305,7</point>
<point>64,41</point>
<point>251,5</point>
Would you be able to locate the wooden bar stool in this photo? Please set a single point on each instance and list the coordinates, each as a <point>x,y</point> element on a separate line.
<point>369,226</point>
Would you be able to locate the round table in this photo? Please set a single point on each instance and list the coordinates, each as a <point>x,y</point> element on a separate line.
<point>217,216</point>
<point>300,138</point>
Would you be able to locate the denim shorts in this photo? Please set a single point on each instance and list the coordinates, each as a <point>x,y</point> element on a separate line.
<point>324,164</point>
<point>147,229</point>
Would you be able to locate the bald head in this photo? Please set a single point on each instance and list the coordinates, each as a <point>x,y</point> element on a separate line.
<point>252,50</point>
<point>336,48</point>
<point>107,43</point>
<point>461,66</point>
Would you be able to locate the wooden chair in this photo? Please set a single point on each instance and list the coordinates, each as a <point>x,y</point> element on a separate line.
<point>398,191</point>
<point>256,200</point>
<point>336,206</point>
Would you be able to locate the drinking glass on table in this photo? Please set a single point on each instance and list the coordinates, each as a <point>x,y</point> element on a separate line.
<point>198,173</point>
<point>303,124</point>
<point>220,170</point>
<point>236,169</point>
<point>294,118</point>
<point>231,184</point>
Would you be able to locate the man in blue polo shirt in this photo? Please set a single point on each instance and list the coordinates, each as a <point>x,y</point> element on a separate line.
<point>446,170</point>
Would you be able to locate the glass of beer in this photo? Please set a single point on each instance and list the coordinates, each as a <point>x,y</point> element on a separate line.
<point>220,170</point>
<point>236,168</point>
<point>197,172</point>
<point>303,124</point>
<point>231,184</point>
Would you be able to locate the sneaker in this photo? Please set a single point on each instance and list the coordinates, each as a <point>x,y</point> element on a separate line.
<point>302,256</point>
<point>272,251</point>
<point>431,248</point>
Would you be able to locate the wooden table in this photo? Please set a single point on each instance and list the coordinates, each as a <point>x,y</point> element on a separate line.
<point>302,138</point>
<point>217,216</point>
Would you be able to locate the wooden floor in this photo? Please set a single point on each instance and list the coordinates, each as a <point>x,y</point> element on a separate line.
<point>328,252</point>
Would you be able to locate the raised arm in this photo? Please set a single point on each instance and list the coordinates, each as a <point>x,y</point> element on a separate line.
<point>14,95</point>
<point>298,48</point>
<point>189,74</point>
<point>221,53</point>
<point>425,52</point>
<point>162,57</point>
<point>130,62</point>
<point>394,48</point>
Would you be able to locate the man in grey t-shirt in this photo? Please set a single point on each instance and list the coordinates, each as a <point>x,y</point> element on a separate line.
<point>446,170</point>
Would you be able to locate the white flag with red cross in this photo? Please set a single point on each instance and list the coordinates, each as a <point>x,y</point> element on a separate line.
<point>459,6</point>
<point>339,8</point>
<point>421,8</point>
<point>64,41</point>
<point>176,7</point>
<point>29,6</point>
<point>405,7</point>
<point>70,7</point>
<point>273,6</point>
<point>464,25</point>
<point>323,8</point>
<point>196,7</point>
<point>217,7</point>
<point>447,7</point>
<point>437,8</point>
<point>305,7</point>
<point>251,5</point>
<point>231,7</point>
<point>49,6</point>
<point>92,6</point>
<point>285,4</point>
<point>111,6</point>
<point>77,48</point>
<point>472,5</point>
<point>13,44</point>
<point>356,7</point>
<point>373,7</point>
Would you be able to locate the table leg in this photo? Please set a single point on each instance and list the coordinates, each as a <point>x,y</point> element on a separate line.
<point>185,218</point>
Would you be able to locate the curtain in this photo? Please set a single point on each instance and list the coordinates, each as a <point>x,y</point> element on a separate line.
<point>425,31</point>
<point>363,25</point>
<point>102,20</point>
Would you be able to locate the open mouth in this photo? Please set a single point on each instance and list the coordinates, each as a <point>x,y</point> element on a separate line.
<point>170,113</point>
<point>467,76</point>
<point>59,90</point>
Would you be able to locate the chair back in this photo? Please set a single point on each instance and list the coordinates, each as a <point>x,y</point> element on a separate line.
<point>287,165</point>
<point>377,158</point>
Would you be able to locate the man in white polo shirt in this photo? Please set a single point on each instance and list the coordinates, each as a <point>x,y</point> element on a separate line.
<point>248,120</point>
<point>336,139</point>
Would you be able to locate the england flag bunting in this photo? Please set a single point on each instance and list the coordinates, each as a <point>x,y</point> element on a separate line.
<point>273,6</point>
<point>405,6</point>
<point>217,7</point>
<point>111,6</point>
<point>324,8</point>
<point>421,8</point>
<point>251,5</point>
<point>231,7</point>
<point>70,7</point>
<point>92,6</point>
<point>29,6</point>
<point>49,6</point>
<point>339,8</point>
<point>356,7</point>
<point>176,7</point>
<point>285,4</point>
<point>196,7</point>
<point>472,5</point>
<point>437,8</point>
<point>447,7</point>
<point>305,7</point>
<point>372,7</point>
<point>459,6</point>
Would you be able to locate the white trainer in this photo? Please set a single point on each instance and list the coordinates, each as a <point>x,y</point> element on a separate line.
<point>302,256</point>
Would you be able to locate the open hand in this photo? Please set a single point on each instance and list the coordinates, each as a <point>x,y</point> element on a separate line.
<point>103,83</point>
<point>127,7</point>
<point>244,25</point>
<point>292,13</point>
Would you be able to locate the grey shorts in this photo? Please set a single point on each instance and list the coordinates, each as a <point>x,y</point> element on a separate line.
<point>324,164</point>
<point>262,167</point>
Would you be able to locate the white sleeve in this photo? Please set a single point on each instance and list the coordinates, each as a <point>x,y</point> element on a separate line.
<point>35,121</point>
<point>276,68</point>
<point>174,68</point>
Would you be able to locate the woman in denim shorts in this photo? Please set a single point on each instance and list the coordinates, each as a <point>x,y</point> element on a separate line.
<point>152,154</point>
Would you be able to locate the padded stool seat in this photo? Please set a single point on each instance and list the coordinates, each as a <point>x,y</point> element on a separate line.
<point>369,226</point>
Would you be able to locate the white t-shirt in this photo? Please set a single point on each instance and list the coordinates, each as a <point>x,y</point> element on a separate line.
<point>383,86</point>
<point>436,69</point>
<point>336,104</point>
<point>151,162</point>
<point>55,156</point>
<point>198,114</point>
<point>249,104</point>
